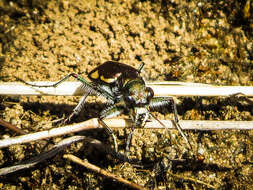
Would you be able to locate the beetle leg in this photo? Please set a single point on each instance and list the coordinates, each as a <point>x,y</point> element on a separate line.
<point>157,103</point>
<point>85,85</point>
<point>112,111</point>
<point>140,67</point>
<point>55,84</point>
<point>89,87</point>
<point>78,108</point>
<point>129,139</point>
<point>174,107</point>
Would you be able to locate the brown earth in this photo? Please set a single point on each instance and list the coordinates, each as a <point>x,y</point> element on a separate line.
<point>196,41</point>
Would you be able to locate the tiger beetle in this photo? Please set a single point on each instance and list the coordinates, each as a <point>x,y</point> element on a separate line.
<point>126,93</point>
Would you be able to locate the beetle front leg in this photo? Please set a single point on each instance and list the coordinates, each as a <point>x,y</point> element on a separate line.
<point>157,103</point>
<point>174,108</point>
<point>109,113</point>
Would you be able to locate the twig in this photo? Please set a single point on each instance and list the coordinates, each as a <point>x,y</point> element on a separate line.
<point>102,172</point>
<point>58,148</point>
<point>42,157</point>
<point>192,180</point>
<point>61,146</point>
<point>160,89</point>
<point>121,123</point>
<point>89,124</point>
<point>12,127</point>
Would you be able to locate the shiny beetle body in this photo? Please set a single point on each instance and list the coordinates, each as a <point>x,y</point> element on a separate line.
<point>126,87</point>
<point>126,93</point>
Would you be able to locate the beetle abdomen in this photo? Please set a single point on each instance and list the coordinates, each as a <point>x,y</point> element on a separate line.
<point>110,71</point>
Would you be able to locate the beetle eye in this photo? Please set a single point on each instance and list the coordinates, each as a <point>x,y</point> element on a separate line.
<point>130,100</point>
<point>150,93</point>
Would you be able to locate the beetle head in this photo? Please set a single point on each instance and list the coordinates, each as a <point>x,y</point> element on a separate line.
<point>137,97</point>
<point>137,94</point>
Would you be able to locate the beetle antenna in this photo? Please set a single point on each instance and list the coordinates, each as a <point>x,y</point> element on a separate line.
<point>140,67</point>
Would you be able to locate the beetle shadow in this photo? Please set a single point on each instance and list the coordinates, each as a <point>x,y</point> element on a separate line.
<point>214,105</point>
<point>90,110</point>
<point>161,170</point>
<point>195,165</point>
<point>63,111</point>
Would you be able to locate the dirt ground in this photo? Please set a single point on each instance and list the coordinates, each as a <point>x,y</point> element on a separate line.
<point>191,41</point>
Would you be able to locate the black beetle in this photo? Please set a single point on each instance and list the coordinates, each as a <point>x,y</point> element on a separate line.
<point>126,93</point>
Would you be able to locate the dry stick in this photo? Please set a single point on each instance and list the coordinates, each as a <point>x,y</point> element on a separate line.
<point>43,156</point>
<point>160,89</point>
<point>192,180</point>
<point>121,123</point>
<point>86,125</point>
<point>58,147</point>
<point>12,127</point>
<point>102,172</point>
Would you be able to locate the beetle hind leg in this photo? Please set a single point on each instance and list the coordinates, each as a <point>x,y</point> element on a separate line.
<point>78,108</point>
<point>86,86</point>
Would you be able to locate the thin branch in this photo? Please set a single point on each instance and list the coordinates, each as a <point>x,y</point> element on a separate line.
<point>192,180</point>
<point>12,127</point>
<point>121,123</point>
<point>43,156</point>
<point>101,171</point>
<point>86,125</point>
<point>160,89</point>
<point>60,146</point>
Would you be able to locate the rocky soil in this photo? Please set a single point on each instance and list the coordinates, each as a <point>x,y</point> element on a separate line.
<point>191,41</point>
